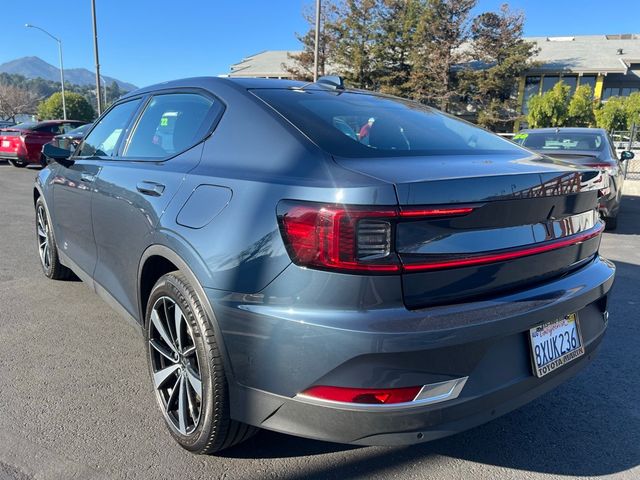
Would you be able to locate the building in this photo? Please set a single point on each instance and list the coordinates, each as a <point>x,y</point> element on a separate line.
<point>266,64</point>
<point>609,63</point>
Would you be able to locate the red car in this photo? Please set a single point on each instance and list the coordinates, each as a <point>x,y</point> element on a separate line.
<point>22,143</point>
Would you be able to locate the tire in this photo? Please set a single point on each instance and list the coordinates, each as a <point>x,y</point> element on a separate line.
<point>611,223</point>
<point>189,369</point>
<point>43,161</point>
<point>18,163</point>
<point>47,247</point>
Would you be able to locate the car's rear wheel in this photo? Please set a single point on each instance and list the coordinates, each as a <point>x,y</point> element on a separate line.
<point>187,371</point>
<point>18,163</point>
<point>47,248</point>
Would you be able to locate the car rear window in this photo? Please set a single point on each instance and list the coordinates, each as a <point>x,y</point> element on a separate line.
<point>353,124</point>
<point>590,142</point>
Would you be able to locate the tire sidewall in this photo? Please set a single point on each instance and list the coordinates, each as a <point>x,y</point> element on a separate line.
<point>195,315</point>
<point>53,252</point>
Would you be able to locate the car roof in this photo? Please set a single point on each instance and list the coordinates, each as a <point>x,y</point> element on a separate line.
<point>563,130</point>
<point>245,83</point>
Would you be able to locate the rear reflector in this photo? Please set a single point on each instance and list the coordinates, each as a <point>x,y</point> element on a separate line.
<point>370,396</point>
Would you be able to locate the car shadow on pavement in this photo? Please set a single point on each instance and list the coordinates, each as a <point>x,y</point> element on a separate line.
<point>589,426</point>
<point>629,216</point>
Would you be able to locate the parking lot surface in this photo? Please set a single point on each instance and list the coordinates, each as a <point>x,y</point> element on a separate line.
<point>76,400</point>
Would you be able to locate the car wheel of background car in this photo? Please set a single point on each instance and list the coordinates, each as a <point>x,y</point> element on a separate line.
<point>611,223</point>
<point>17,163</point>
<point>47,248</point>
<point>187,371</point>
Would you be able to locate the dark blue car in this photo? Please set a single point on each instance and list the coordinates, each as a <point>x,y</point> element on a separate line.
<point>326,262</point>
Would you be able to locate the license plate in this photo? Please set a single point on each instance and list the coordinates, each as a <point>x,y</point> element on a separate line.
<point>6,143</point>
<point>556,343</point>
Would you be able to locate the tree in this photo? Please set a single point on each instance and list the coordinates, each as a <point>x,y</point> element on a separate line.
<point>632,106</point>
<point>580,110</point>
<point>442,29</point>
<point>15,101</point>
<point>356,32</point>
<point>78,108</point>
<point>302,64</point>
<point>501,57</point>
<point>612,115</point>
<point>398,25</point>
<point>550,109</point>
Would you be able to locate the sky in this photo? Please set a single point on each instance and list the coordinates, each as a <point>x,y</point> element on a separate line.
<point>149,41</point>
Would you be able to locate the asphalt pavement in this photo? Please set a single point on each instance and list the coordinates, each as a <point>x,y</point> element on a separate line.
<point>76,400</point>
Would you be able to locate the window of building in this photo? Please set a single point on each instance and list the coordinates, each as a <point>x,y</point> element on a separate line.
<point>548,82</point>
<point>572,81</point>
<point>589,80</point>
<point>531,88</point>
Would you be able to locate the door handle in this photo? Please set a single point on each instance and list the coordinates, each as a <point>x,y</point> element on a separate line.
<point>150,188</point>
<point>87,177</point>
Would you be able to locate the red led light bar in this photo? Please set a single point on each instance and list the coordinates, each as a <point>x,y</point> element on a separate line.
<point>436,212</point>
<point>372,396</point>
<point>500,257</point>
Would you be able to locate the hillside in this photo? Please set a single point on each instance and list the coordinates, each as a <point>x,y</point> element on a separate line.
<point>34,67</point>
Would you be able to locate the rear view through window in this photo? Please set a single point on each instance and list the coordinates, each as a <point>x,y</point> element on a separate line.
<point>361,125</point>
<point>592,142</point>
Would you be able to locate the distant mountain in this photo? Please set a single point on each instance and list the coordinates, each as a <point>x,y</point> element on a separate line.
<point>34,67</point>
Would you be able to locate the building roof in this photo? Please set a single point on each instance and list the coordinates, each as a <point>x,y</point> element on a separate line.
<point>268,63</point>
<point>578,54</point>
<point>588,53</point>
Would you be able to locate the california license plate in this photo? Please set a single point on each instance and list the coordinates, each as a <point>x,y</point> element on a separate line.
<point>6,143</point>
<point>555,344</point>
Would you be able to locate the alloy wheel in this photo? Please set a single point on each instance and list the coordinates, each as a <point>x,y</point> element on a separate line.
<point>44,247</point>
<point>175,365</point>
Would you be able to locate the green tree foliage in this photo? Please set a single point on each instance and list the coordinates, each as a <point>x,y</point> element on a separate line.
<point>612,115</point>
<point>632,106</point>
<point>398,24</point>
<point>503,56</point>
<point>78,108</point>
<point>580,111</point>
<point>356,32</point>
<point>441,31</point>
<point>550,109</point>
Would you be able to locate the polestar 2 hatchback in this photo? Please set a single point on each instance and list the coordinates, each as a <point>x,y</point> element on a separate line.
<point>330,263</point>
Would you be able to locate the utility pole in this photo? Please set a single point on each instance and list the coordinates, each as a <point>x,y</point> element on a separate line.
<point>64,104</point>
<point>316,53</point>
<point>95,49</point>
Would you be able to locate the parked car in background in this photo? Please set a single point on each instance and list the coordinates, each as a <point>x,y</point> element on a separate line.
<point>292,273</point>
<point>22,144</point>
<point>6,123</point>
<point>589,147</point>
<point>72,138</point>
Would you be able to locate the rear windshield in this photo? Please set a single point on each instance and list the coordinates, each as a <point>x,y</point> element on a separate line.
<point>26,125</point>
<point>590,142</point>
<point>351,124</point>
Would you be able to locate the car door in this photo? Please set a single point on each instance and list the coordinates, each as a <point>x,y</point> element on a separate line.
<point>134,189</point>
<point>73,186</point>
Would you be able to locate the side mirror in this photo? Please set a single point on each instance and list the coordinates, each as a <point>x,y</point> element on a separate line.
<point>627,155</point>
<point>58,155</point>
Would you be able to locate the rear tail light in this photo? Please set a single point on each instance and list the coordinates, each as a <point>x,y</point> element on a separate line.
<point>603,166</point>
<point>367,396</point>
<point>339,237</point>
<point>357,239</point>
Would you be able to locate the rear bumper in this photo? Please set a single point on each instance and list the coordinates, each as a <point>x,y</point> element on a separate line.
<point>278,348</point>
<point>11,156</point>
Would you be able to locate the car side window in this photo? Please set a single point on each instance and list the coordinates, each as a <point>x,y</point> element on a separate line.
<point>103,139</point>
<point>170,124</point>
<point>55,129</point>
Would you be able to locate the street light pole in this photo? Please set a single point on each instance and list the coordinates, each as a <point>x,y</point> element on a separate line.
<point>64,104</point>
<point>95,49</point>
<point>316,52</point>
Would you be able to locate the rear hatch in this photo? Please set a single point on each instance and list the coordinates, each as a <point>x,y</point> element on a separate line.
<point>10,140</point>
<point>513,221</point>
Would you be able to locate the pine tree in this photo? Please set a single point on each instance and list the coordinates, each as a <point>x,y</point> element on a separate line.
<point>499,57</point>
<point>442,30</point>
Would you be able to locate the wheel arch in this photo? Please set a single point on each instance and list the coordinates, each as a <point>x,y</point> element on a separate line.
<point>158,260</point>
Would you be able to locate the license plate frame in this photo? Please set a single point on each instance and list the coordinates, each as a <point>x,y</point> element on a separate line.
<point>547,338</point>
